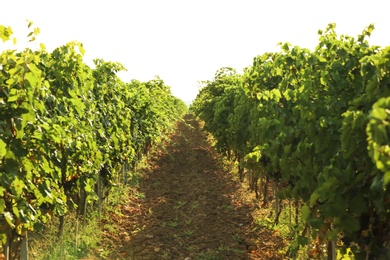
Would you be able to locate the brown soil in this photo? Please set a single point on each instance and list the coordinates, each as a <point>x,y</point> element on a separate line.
<point>191,207</point>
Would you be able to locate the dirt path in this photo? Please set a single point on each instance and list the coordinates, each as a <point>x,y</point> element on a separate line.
<point>188,207</point>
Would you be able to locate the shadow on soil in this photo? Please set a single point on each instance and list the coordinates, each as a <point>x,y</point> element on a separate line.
<point>189,207</point>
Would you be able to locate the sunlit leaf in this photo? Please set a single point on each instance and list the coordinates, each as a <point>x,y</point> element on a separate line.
<point>3,149</point>
<point>9,218</point>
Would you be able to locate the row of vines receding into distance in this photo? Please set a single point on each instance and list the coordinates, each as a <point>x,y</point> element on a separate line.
<point>316,123</point>
<point>66,131</point>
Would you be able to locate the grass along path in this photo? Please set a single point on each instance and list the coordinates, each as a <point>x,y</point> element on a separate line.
<point>188,206</point>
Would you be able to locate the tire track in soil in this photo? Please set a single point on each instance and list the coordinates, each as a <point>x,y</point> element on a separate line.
<point>191,209</point>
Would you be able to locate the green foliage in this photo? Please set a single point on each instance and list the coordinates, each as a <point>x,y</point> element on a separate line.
<point>64,126</point>
<point>322,119</point>
<point>214,104</point>
<point>79,241</point>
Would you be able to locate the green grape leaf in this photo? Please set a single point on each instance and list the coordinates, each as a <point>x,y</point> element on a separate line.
<point>386,178</point>
<point>3,150</point>
<point>32,79</point>
<point>2,203</point>
<point>305,212</point>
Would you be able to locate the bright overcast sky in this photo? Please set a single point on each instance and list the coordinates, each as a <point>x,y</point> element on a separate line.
<point>186,41</point>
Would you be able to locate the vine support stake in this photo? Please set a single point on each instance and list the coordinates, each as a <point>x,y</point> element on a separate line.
<point>24,248</point>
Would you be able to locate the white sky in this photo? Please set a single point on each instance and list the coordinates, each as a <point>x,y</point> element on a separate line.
<point>185,41</point>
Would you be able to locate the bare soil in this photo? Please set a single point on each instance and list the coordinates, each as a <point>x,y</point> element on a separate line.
<point>189,206</point>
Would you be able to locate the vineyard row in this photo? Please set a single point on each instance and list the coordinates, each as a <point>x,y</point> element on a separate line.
<point>66,130</point>
<point>317,124</point>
